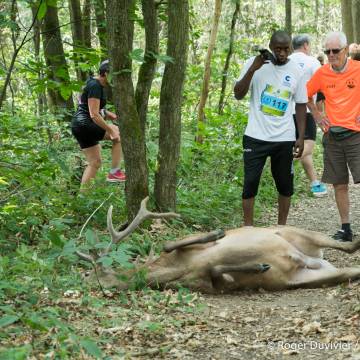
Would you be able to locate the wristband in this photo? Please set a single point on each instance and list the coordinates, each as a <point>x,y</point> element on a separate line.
<point>103,112</point>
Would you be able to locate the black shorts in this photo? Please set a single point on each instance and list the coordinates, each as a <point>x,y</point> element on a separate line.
<point>255,155</point>
<point>86,132</point>
<point>310,127</point>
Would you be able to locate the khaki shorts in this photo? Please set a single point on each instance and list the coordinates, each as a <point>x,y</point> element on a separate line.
<point>340,156</point>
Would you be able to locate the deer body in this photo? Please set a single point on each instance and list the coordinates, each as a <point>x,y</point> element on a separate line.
<point>273,258</point>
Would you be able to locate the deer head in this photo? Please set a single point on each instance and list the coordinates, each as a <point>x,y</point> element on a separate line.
<point>106,276</point>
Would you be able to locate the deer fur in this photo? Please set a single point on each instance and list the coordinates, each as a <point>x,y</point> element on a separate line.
<point>273,258</point>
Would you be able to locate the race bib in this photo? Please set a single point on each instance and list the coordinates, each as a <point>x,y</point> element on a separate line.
<point>274,101</point>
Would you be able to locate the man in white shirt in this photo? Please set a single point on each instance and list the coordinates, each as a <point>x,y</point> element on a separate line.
<point>275,87</point>
<point>308,64</point>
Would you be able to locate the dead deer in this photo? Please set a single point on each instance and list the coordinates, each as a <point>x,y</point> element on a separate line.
<point>273,258</point>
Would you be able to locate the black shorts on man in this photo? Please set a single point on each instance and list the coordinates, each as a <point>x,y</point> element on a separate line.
<point>310,128</point>
<point>255,155</point>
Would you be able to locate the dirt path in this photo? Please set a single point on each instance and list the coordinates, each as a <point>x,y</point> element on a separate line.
<point>306,324</point>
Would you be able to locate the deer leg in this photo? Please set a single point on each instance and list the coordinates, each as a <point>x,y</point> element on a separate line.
<point>220,273</point>
<point>323,241</point>
<point>195,239</point>
<point>323,277</point>
<point>310,241</point>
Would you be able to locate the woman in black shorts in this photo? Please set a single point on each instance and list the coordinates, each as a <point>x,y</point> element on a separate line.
<point>89,127</point>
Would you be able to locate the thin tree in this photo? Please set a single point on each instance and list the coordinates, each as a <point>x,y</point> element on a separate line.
<point>99,9</point>
<point>120,15</point>
<point>288,21</point>
<point>356,20</point>
<point>148,67</point>
<point>228,56</point>
<point>57,68</point>
<point>14,56</point>
<point>77,30</point>
<point>170,104</point>
<point>207,70</point>
<point>347,20</point>
<point>86,15</point>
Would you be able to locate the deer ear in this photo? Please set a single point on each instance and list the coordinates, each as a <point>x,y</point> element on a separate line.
<point>228,278</point>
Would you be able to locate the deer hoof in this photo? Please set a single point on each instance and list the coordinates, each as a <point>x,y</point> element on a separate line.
<point>264,267</point>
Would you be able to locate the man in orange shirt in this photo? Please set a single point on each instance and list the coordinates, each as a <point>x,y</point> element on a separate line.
<point>339,81</point>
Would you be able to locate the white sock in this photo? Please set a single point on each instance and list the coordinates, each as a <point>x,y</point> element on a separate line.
<point>114,170</point>
<point>315,183</point>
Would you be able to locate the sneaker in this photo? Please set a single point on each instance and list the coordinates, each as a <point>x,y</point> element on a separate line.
<point>319,190</point>
<point>342,235</point>
<point>119,176</point>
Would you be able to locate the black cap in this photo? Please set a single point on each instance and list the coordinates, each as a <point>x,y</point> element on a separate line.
<point>104,67</point>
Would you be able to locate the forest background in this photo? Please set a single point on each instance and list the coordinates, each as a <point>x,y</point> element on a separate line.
<point>174,65</point>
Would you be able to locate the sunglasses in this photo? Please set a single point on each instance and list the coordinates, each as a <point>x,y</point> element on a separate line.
<point>334,51</point>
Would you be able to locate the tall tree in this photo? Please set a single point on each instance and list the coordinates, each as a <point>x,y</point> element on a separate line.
<point>77,30</point>
<point>147,69</point>
<point>170,104</point>
<point>288,21</point>
<point>356,20</point>
<point>86,16</point>
<point>15,54</point>
<point>228,56</point>
<point>57,69</point>
<point>120,15</point>
<point>99,8</point>
<point>207,70</point>
<point>41,98</point>
<point>347,20</point>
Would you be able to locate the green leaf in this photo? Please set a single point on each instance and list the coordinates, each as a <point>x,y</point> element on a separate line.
<point>137,55</point>
<point>36,323</point>
<point>90,237</point>
<point>8,320</point>
<point>55,238</point>
<point>91,348</point>
<point>106,261</point>
<point>65,92</point>
<point>42,10</point>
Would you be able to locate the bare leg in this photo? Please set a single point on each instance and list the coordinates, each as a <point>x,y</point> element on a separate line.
<point>307,160</point>
<point>283,210</point>
<point>342,202</point>
<point>116,152</point>
<point>93,157</point>
<point>248,210</point>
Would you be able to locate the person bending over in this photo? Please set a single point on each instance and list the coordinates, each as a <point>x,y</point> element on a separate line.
<point>89,127</point>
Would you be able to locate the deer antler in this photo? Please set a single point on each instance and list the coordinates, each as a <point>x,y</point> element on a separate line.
<point>142,215</point>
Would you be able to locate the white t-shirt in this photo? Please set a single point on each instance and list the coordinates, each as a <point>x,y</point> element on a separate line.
<point>309,64</point>
<point>274,89</point>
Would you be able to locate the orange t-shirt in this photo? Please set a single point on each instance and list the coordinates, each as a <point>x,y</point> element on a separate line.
<point>342,94</point>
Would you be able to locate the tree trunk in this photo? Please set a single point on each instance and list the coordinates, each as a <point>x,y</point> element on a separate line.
<point>41,100</point>
<point>206,79</point>
<point>119,16</point>
<point>147,69</point>
<point>228,57</point>
<point>356,20</point>
<point>316,14</point>
<point>288,21</point>
<point>170,104</point>
<point>347,20</point>
<point>78,36</point>
<point>59,95</point>
<point>86,16</point>
<point>99,9</point>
